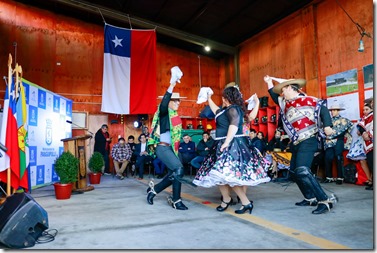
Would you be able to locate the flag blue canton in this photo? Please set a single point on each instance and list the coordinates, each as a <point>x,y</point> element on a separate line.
<point>117,41</point>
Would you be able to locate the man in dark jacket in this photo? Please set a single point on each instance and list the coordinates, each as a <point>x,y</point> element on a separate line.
<point>102,142</point>
<point>202,150</point>
<point>255,141</point>
<point>186,151</point>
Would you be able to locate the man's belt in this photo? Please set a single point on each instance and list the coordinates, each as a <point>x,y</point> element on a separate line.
<point>164,144</point>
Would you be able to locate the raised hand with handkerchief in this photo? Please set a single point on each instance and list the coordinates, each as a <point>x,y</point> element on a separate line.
<point>252,101</point>
<point>203,94</point>
<point>176,75</point>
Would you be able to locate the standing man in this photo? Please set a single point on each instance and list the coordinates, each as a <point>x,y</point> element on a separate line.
<point>166,136</point>
<point>303,118</point>
<point>334,144</point>
<point>121,154</point>
<point>102,142</point>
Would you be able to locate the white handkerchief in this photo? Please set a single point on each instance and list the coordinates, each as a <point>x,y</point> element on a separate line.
<point>176,75</point>
<point>203,94</point>
<point>251,102</point>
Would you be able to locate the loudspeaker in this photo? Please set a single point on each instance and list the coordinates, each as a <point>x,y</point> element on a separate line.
<point>22,221</point>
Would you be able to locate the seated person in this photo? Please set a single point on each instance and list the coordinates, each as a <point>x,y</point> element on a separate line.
<point>260,135</point>
<point>255,141</point>
<point>159,167</point>
<point>277,152</point>
<point>121,154</point>
<point>131,142</point>
<point>202,150</point>
<point>141,151</point>
<point>186,151</point>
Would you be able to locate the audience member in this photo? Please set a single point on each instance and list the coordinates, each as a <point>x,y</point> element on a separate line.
<point>278,152</point>
<point>260,135</point>
<point>202,150</point>
<point>131,142</point>
<point>102,142</point>
<point>255,141</point>
<point>334,144</point>
<point>186,151</point>
<point>142,152</point>
<point>121,154</point>
<point>159,167</point>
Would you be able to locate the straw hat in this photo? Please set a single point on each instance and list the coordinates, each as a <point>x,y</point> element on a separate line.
<point>175,95</point>
<point>299,82</point>
<point>336,107</point>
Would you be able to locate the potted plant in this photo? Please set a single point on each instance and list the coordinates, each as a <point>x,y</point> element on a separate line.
<point>66,167</point>
<point>96,164</point>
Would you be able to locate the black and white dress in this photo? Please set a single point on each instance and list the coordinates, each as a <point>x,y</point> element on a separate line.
<point>239,164</point>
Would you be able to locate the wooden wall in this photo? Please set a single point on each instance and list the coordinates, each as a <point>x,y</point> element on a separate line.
<point>65,55</point>
<point>315,42</point>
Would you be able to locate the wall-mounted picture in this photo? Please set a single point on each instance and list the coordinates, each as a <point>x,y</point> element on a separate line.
<point>368,72</point>
<point>351,110</point>
<point>341,83</point>
<point>368,94</point>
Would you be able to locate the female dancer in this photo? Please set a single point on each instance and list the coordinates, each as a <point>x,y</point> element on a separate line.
<point>232,163</point>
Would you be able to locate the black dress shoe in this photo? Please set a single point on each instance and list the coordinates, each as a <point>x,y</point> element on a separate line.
<point>322,208</point>
<point>244,208</point>
<point>177,204</point>
<point>150,197</point>
<point>222,209</point>
<point>369,187</point>
<point>307,203</point>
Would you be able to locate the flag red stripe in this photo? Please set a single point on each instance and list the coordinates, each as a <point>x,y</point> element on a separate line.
<point>143,72</point>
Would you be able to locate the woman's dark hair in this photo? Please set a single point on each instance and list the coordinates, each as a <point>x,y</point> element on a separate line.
<point>121,139</point>
<point>234,96</point>
<point>131,137</point>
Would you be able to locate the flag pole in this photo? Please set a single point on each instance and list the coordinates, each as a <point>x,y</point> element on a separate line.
<point>10,72</point>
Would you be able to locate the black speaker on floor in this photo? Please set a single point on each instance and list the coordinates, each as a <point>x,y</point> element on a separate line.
<point>22,221</point>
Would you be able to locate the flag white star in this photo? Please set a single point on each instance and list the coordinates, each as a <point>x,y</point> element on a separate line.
<point>117,42</point>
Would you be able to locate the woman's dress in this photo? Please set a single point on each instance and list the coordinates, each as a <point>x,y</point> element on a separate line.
<point>239,164</point>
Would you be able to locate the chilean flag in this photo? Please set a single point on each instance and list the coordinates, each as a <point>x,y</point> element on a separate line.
<point>129,71</point>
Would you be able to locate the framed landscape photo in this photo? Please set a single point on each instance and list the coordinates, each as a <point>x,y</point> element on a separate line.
<point>340,83</point>
<point>368,73</point>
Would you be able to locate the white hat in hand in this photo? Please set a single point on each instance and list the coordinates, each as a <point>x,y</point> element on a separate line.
<point>176,75</point>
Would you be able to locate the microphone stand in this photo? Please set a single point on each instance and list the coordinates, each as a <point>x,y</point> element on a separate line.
<point>79,127</point>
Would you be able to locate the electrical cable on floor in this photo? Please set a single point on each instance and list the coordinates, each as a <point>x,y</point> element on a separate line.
<point>47,236</point>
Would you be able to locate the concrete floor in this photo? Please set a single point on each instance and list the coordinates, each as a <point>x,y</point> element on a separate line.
<point>115,215</point>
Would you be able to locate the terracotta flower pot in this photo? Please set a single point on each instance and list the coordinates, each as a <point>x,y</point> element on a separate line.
<point>63,191</point>
<point>94,178</point>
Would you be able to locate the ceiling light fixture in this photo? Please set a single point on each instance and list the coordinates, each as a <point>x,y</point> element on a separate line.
<point>360,29</point>
<point>207,48</point>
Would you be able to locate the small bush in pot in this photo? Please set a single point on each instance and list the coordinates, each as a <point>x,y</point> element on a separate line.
<point>66,167</point>
<point>96,162</point>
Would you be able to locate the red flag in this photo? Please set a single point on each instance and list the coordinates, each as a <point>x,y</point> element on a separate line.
<point>12,143</point>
